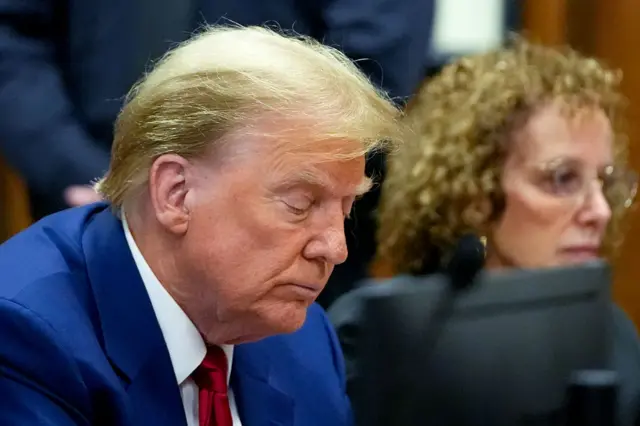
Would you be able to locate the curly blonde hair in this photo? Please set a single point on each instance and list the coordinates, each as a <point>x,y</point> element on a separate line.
<point>439,183</point>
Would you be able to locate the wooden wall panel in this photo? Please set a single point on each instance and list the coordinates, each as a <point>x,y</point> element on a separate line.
<point>615,38</point>
<point>544,21</point>
<point>14,203</point>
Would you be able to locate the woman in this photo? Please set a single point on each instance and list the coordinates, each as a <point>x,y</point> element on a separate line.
<point>524,147</point>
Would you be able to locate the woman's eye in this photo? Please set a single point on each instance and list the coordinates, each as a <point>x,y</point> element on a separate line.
<point>564,181</point>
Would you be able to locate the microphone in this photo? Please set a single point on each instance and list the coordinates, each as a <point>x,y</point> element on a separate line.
<point>592,398</point>
<point>465,263</point>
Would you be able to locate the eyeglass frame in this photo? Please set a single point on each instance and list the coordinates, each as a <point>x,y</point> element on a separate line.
<point>617,173</point>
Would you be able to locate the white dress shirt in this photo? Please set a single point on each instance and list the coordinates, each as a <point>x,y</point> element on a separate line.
<point>184,342</point>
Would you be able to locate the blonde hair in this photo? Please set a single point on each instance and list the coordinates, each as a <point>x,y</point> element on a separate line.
<point>446,182</point>
<point>227,79</point>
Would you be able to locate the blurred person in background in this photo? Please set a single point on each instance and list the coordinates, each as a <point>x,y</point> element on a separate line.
<point>524,147</point>
<point>67,65</point>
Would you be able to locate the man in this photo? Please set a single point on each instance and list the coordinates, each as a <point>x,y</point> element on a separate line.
<point>67,65</point>
<point>235,162</point>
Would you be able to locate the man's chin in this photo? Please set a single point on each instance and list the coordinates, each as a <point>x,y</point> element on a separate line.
<point>290,318</point>
<point>286,318</point>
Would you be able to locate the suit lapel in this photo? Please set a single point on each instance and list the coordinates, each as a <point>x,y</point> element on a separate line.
<point>132,337</point>
<point>259,402</point>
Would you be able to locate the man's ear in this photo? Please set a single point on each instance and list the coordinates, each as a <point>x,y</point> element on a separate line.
<point>168,188</point>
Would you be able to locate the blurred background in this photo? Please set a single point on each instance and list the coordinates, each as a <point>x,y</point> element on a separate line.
<point>51,79</point>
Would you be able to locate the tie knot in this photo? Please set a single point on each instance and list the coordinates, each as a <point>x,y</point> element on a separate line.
<point>212,373</point>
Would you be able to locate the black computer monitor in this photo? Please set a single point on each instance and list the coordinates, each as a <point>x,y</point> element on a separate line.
<point>499,353</point>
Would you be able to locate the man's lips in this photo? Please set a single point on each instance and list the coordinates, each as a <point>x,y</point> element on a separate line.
<point>306,291</point>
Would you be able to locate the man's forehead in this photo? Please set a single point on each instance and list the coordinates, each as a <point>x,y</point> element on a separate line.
<point>337,165</point>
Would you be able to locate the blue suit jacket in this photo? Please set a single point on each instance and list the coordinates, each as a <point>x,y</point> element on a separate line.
<point>80,344</point>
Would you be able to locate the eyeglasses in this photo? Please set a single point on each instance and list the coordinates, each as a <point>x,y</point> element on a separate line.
<point>571,180</point>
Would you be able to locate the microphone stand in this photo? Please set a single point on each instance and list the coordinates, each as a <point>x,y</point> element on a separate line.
<point>463,268</point>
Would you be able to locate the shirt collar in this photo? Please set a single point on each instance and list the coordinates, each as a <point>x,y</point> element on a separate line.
<point>186,347</point>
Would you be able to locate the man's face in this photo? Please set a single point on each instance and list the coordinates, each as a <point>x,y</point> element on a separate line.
<point>266,228</point>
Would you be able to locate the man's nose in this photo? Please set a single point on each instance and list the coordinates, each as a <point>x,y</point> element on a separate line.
<point>330,246</point>
<point>337,246</point>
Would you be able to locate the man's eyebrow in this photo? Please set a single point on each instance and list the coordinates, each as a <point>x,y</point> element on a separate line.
<point>319,181</point>
<point>305,178</point>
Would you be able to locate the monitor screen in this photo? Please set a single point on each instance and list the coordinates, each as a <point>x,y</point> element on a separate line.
<point>498,353</point>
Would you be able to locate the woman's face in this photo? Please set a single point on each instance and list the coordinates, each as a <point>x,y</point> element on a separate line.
<point>557,180</point>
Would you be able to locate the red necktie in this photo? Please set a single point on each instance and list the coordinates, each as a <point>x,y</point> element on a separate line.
<point>211,378</point>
